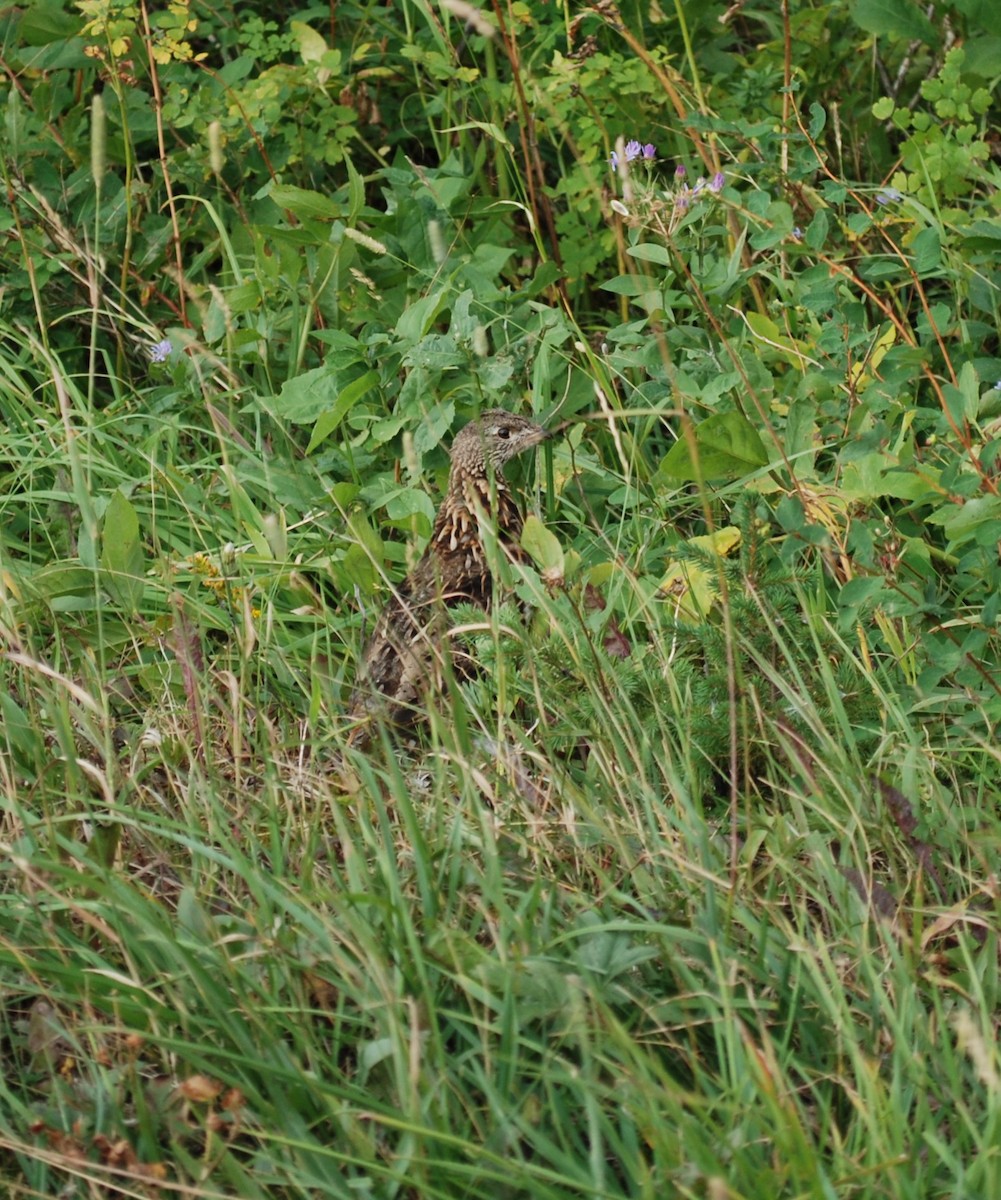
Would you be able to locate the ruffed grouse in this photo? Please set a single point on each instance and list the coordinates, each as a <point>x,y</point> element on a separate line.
<point>403,660</point>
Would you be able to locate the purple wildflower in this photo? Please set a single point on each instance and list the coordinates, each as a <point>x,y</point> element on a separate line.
<point>633,149</point>
<point>679,171</point>
<point>161,351</point>
<point>717,183</point>
<point>889,196</point>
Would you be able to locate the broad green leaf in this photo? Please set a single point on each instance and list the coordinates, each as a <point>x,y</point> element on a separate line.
<point>897,18</point>
<point>765,328</point>
<point>312,45</point>
<point>121,553</point>
<point>927,251</point>
<point>959,521</point>
<point>629,285</point>
<point>727,446</point>
<point>651,252</point>
<point>411,502</point>
<point>306,397</point>
<point>858,591</point>
<point>818,119</point>
<point>434,426</point>
<point>543,547</point>
<point>418,317</point>
<point>302,202</point>
<point>347,398</point>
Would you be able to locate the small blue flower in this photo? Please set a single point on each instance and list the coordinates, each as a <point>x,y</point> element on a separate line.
<point>649,150</point>
<point>889,196</point>
<point>161,351</point>
<point>797,234</point>
<point>717,183</point>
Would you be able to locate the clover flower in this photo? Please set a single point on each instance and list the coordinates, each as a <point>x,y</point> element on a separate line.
<point>633,149</point>
<point>161,351</point>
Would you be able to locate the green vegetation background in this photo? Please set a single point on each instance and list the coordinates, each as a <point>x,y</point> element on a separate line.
<point>694,890</point>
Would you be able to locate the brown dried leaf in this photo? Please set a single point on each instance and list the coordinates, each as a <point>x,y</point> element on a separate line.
<point>199,1088</point>
<point>616,644</point>
<point>594,601</point>
<point>122,1157</point>
<point>233,1100</point>
<point>907,822</point>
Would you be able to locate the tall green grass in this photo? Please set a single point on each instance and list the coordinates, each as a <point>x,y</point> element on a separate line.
<point>654,907</point>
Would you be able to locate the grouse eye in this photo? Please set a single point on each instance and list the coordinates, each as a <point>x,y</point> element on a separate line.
<point>504,431</point>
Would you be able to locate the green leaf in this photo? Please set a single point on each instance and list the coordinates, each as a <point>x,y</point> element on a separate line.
<point>689,586</point>
<point>312,45</point>
<point>121,553</point>
<point>307,396</point>
<point>651,252</point>
<point>321,393</point>
<point>362,556</point>
<point>628,285</point>
<point>959,521</point>
<point>860,590</point>
<point>18,730</point>
<point>418,317</point>
<point>434,426</point>
<point>927,250</point>
<point>410,502</point>
<point>816,232</point>
<point>356,191</point>
<point>896,18</point>
<point>302,202</point>
<point>488,127</point>
<point>347,398</point>
<point>818,119</point>
<point>543,547</point>
<point>727,446</point>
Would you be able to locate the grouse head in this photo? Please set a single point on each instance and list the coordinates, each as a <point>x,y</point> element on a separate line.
<point>490,441</point>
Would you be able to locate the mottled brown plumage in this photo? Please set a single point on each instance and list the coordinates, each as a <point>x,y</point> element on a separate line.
<point>403,660</point>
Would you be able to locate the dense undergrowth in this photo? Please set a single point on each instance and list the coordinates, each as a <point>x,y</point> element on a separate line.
<point>693,890</point>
